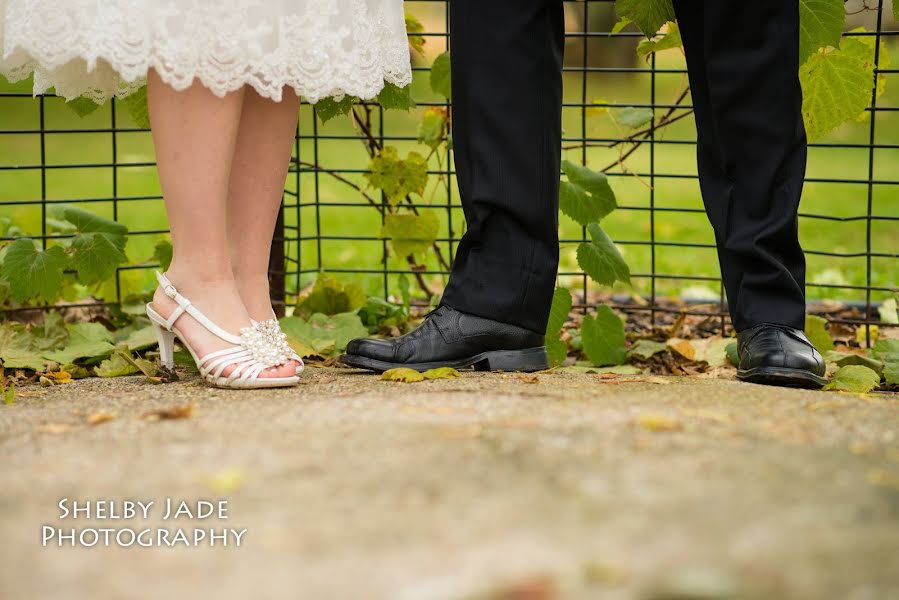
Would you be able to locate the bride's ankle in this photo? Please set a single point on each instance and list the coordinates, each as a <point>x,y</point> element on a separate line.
<point>199,279</point>
<point>254,291</point>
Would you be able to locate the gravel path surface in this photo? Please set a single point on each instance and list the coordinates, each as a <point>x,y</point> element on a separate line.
<point>489,486</point>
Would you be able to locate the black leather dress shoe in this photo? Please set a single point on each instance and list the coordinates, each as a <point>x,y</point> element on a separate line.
<point>449,338</point>
<point>779,355</point>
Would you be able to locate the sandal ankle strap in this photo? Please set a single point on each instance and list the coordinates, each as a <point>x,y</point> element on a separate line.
<point>187,306</point>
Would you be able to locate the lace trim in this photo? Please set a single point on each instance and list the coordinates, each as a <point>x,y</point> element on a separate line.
<point>104,48</point>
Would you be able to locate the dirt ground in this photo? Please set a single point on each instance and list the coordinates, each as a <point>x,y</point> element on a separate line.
<point>489,486</point>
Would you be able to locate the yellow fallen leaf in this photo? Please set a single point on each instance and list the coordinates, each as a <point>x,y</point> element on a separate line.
<point>227,481</point>
<point>403,375</point>
<point>54,428</point>
<point>441,373</point>
<point>100,417</point>
<point>825,404</point>
<point>658,422</point>
<point>683,347</point>
<point>59,376</point>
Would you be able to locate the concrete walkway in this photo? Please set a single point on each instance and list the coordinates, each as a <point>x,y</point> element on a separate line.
<point>489,486</point>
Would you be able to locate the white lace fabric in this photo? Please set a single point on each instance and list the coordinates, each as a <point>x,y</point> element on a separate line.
<point>105,48</point>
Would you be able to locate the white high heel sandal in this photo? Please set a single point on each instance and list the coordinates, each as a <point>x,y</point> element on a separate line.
<point>254,350</point>
<point>272,329</point>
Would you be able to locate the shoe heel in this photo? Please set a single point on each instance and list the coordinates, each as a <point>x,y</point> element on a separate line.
<point>166,346</point>
<point>525,361</point>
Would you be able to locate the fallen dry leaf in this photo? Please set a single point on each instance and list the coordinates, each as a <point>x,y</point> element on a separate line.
<point>461,432</point>
<point>529,379</point>
<point>881,478</point>
<point>100,417</point>
<point>174,412</point>
<point>704,413</point>
<point>59,376</point>
<point>658,422</point>
<point>227,481</point>
<point>683,347</point>
<point>825,404</point>
<point>54,428</point>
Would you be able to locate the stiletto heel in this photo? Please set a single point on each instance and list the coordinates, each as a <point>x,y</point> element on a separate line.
<point>253,351</point>
<point>166,346</point>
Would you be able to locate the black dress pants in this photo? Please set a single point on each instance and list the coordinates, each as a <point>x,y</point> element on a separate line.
<point>507,92</point>
<point>743,63</point>
<point>507,129</point>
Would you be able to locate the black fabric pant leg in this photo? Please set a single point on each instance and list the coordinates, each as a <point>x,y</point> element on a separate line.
<point>743,63</point>
<point>507,97</point>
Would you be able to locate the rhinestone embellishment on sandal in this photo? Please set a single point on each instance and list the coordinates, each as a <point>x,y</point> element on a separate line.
<point>265,344</point>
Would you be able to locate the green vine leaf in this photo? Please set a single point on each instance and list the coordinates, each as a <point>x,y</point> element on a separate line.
<point>887,351</point>
<point>836,86</point>
<point>52,335</point>
<point>649,15</point>
<point>89,341</point>
<point>330,297</point>
<point>441,76</point>
<point>98,247</point>
<point>136,104</point>
<point>821,24</point>
<point>558,312</point>
<point>323,335</point>
<point>586,197</point>
<point>666,41</point>
<point>398,177</point>
<point>600,258</point>
<point>620,25</point>
<point>816,330</point>
<point>162,253</point>
<point>556,348</point>
<point>854,378</point>
<point>95,257</point>
<point>411,233</point>
<point>395,98</point>
<point>432,129</point>
<point>18,348</point>
<point>603,337</point>
<point>632,117</point>
<point>31,272</point>
<point>328,108</point>
<point>116,366</point>
<point>842,359</point>
<point>646,349</point>
<point>414,29</point>
<point>82,106</point>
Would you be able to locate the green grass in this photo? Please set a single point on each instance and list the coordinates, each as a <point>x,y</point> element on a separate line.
<point>628,227</point>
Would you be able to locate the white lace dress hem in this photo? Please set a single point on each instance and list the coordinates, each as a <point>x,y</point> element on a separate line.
<point>105,48</point>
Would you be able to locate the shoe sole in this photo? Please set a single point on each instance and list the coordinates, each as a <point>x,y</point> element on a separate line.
<point>522,361</point>
<point>781,376</point>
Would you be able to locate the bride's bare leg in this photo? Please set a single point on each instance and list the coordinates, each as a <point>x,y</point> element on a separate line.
<point>258,173</point>
<point>195,132</point>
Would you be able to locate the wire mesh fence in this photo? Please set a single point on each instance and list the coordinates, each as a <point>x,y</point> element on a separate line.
<point>331,220</point>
